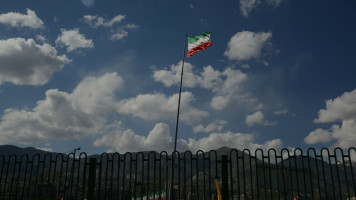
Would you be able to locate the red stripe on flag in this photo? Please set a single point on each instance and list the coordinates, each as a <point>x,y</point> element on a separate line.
<point>198,48</point>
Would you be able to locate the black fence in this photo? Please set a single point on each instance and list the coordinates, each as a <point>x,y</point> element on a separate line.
<point>323,174</point>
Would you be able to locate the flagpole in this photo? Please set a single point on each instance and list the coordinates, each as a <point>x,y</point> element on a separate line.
<point>180,93</point>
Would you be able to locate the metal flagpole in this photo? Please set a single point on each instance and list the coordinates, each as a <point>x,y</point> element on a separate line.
<point>180,92</point>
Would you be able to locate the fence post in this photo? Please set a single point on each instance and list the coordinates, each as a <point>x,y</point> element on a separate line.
<point>224,177</point>
<point>92,178</point>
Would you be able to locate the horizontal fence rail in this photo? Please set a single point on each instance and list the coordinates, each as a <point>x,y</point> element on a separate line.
<point>287,174</point>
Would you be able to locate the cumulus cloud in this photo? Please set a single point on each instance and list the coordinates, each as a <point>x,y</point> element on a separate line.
<point>73,40</point>
<point>246,45</point>
<point>125,140</point>
<point>170,77</point>
<point>341,109</point>
<point>228,139</point>
<point>14,19</point>
<point>226,85</point>
<point>219,102</point>
<point>96,95</point>
<point>84,113</point>
<point>159,107</point>
<point>231,90</point>
<point>24,62</point>
<point>232,83</point>
<point>63,115</point>
<point>343,136</point>
<point>225,82</point>
<point>319,135</point>
<point>96,21</point>
<point>215,126</point>
<point>258,118</point>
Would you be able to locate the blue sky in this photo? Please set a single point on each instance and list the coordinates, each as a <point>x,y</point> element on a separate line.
<point>104,75</point>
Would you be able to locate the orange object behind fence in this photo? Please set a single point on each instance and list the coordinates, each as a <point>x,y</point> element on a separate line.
<point>217,188</point>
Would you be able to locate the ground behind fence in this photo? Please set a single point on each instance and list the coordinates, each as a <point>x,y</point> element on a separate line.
<point>310,174</point>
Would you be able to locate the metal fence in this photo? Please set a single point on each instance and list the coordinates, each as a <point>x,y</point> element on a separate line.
<point>287,174</point>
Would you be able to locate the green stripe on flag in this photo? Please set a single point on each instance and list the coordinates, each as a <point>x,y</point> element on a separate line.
<point>196,38</point>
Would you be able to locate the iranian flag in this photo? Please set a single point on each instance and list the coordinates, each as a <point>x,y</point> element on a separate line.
<point>198,43</point>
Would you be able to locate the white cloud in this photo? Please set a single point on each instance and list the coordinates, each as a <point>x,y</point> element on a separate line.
<point>88,3</point>
<point>231,90</point>
<point>215,126</point>
<point>96,21</point>
<point>211,78</point>
<point>275,144</point>
<point>45,149</point>
<point>343,136</point>
<point>159,139</point>
<point>130,26</point>
<point>96,95</point>
<point>342,109</point>
<point>257,118</point>
<point>125,140</point>
<point>41,38</point>
<point>232,83</point>
<point>20,20</point>
<point>159,107</point>
<point>226,85</point>
<point>246,45</point>
<point>122,31</point>
<point>247,5</point>
<point>224,82</point>
<point>228,139</point>
<point>219,102</point>
<point>170,77</point>
<point>117,33</point>
<point>24,62</point>
<point>319,135</point>
<point>115,20</point>
<point>63,115</point>
<point>73,40</point>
